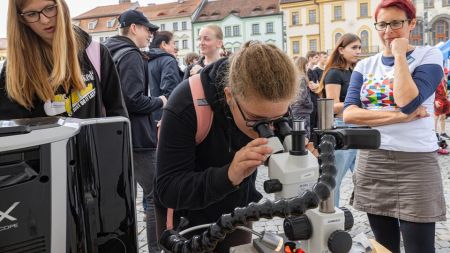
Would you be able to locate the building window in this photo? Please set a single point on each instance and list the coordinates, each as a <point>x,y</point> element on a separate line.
<point>255,29</point>
<point>428,4</point>
<point>185,44</point>
<point>312,16</point>
<point>440,31</point>
<point>416,34</point>
<point>337,36</point>
<point>162,27</point>
<point>445,3</point>
<point>294,18</point>
<point>110,23</point>
<point>363,9</point>
<point>295,47</point>
<point>177,44</point>
<point>184,25</point>
<point>313,45</point>
<point>364,41</point>
<point>227,31</point>
<point>175,26</point>
<point>92,24</point>
<point>269,27</point>
<point>236,31</point>
<point>337,12</point>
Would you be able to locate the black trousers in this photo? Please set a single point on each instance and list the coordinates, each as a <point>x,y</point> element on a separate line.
<point>417,237</point>
<point>144,172</point>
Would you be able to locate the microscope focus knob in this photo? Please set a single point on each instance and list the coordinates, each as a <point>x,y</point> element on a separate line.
<point>339,242</point>
<point>272,186</point>
<point>297,228</point>
<point>349,221</point>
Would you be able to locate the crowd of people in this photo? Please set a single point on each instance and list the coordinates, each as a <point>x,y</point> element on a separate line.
<point>50,72</point>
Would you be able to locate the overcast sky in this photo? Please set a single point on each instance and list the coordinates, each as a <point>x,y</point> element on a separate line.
<point>76,7</point>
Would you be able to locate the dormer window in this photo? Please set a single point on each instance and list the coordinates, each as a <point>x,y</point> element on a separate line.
<point>235,11</point>
<point>215,13</point>
<point>257,8</point>
<point>110,23</point>
<point>92,24</point>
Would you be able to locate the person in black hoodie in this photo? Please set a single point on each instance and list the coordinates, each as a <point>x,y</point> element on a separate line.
<point>135,32</point>
<point>48,72</point>
<point>163,71</point>
<point>202,182</point>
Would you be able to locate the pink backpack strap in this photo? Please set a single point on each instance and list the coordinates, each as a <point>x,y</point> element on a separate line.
<point>204,121</point>
<point>169,221</point>
<point>202,108</point>
<point>93,52</point>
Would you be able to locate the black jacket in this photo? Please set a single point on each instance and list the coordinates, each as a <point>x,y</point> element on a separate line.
<point>187,71</point>
<point>132,70</point>
<point>98,99</point>
<point>193,179</point>
<point>302,107</point>
<point>163,75</point>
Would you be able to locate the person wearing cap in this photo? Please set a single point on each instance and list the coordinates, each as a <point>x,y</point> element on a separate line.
<point>135,32</point>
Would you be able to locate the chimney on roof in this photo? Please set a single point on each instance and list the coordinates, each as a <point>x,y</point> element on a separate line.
<point>124,1</point>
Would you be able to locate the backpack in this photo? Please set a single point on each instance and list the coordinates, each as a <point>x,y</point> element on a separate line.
<point>93,53</point>
<point>118,55</point>
<point>204,115</point>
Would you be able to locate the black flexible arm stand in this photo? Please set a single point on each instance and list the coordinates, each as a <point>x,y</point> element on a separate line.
<point>171,241</point>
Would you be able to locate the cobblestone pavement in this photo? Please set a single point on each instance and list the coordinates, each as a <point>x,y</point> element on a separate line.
<point>361,222</point>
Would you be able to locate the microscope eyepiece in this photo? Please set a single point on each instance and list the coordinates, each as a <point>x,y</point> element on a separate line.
<point>264,130</point>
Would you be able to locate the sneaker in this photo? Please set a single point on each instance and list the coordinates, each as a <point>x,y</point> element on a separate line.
<point>445,136</point>
<point>442,151</point>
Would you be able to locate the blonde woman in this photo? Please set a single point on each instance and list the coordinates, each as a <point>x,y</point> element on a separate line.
<point>202,182</point>
<point>210,43</point>
<point>48,71</point>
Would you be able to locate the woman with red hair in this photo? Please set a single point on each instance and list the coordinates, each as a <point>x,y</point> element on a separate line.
<point>399,185</point>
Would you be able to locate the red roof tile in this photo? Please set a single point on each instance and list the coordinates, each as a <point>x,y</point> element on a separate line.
<point>220,9</point>
<point>170,10</point>
<point>107,11</point>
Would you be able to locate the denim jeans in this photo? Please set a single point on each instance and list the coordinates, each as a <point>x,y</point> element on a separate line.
<point>144,171</point>
<point>345,160</point>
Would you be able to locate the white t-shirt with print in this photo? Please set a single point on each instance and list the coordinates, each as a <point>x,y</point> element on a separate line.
<point>377,94</point>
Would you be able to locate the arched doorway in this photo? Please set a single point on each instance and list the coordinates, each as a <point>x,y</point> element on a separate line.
<point>364,41</point>
<point>440,31</point>
<point>417,34</point>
